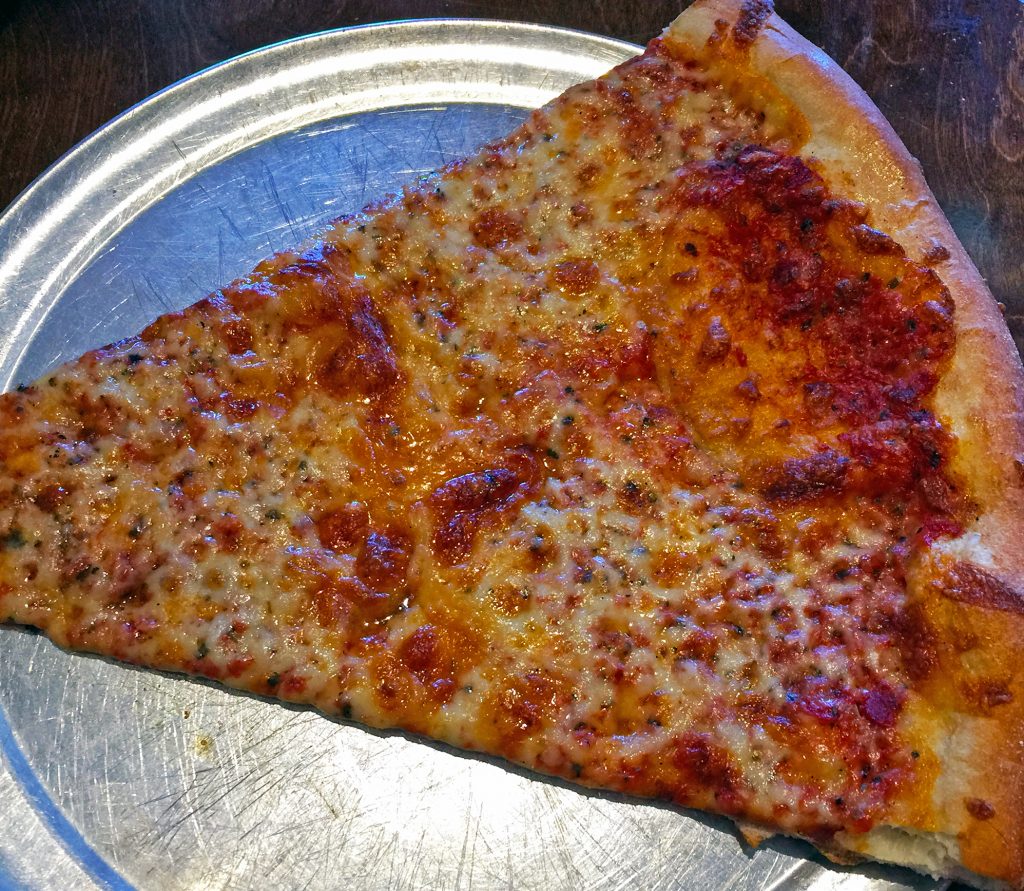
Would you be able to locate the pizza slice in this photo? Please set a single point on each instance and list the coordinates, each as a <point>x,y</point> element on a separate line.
<point>670,445</point>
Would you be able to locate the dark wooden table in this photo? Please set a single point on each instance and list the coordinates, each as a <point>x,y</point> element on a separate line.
<point>948,74</point>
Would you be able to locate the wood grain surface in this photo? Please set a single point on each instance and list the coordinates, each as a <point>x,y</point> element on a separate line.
<point>948,74</point>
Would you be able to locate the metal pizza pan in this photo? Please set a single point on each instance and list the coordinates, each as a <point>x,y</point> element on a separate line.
<point>114,777</point>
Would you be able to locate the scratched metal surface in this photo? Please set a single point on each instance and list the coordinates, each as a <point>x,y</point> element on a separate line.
<point>113,777</point>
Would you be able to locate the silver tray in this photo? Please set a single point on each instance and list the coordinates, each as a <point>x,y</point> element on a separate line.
<point>112,777</point>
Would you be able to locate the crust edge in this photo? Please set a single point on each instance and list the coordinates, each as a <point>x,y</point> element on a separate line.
<point>981,398</point>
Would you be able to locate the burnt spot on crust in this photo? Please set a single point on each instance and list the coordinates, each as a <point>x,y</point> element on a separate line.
<point>979,808</point>
<point>753,15</point>
<point>967,583</point>
<point>986,694</point>
<point>935,253</point>
<point>872,241</point>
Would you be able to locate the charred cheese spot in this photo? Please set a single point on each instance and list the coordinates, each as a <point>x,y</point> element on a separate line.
<point>364,362</point>
<point>384,560</point>
<point>521,707</point>
<point>496,228</point>
<point>576,277</point>
<point>344,528</point>
<point>438,656</point>
<point>465,503</point>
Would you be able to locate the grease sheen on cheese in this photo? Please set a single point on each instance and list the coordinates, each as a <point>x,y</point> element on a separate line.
<point>605,450</point>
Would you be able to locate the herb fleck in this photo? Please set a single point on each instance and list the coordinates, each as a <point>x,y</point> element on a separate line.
<point>15,538</point>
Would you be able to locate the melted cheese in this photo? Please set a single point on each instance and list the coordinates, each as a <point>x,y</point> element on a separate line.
<point>594,451</point>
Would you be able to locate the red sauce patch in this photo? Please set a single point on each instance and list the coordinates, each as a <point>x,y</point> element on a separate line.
<point>238,666</point>
<point>348,596</point>
<point>881,706</point>
<point>50,497</point>
<point>240,409</point>
<point>237,336</point>
<point>799,479</point>
<point>227,531</point>
<point>599,354</point>
<point>291,684</point>
<point>426,656</point>
<point>522,706</point>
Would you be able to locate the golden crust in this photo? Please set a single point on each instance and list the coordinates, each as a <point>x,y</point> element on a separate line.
<point>980,398</point>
